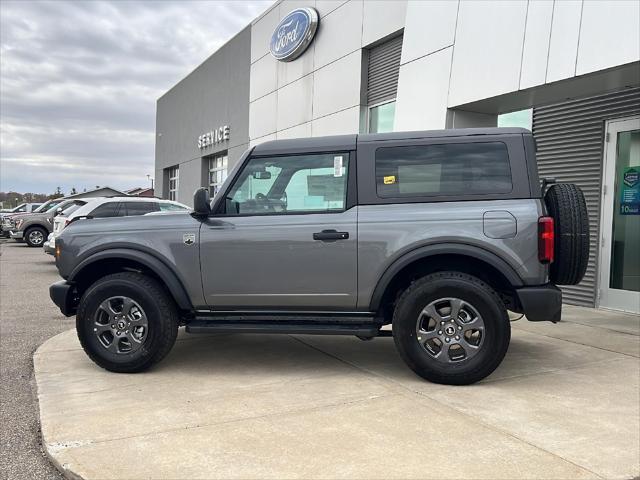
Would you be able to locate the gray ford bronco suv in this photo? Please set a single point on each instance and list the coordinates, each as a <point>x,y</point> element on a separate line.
<point>439,234</point>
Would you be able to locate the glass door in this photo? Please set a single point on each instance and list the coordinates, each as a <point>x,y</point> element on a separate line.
<point>620,225</point>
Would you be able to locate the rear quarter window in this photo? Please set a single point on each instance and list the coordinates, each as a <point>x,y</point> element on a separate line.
<point>140,208</point>
<point>106,210</point>
<point>447,170</point>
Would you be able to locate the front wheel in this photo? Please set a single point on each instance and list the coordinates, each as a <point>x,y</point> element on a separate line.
<point>35,236</point>
<point>126,322</point>
<point>451,328</point>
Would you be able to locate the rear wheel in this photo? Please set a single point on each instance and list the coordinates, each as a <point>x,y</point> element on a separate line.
<point>451,328</point>
<point>35,236</point>
<point>126,322</point>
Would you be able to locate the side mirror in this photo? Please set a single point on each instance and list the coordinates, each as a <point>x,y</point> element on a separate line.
<point>201,202</point>
<point>58,210</point>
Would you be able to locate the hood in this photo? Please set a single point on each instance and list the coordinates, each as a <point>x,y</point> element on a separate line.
<point>22,216</point>
<point>125,225</point>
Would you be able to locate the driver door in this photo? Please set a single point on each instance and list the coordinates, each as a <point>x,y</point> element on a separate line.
<point>286,237</point>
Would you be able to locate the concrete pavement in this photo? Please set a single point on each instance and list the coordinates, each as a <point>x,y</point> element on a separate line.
<point>564,404</point>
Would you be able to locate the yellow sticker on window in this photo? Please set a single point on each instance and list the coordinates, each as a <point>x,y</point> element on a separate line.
<point>390,179</point>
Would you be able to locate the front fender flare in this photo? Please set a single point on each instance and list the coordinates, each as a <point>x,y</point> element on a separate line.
<point>157,266</point>
<point>441,249</point>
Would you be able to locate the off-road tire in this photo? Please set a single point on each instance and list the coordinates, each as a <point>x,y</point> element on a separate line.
<point>159,308</point>
<point>469,289</point>
<point>566,204</point>
<point>30,230</point>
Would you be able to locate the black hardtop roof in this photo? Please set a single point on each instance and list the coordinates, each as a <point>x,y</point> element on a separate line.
<point>349,142</point>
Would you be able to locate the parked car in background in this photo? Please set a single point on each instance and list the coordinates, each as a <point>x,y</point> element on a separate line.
<point>22,208</point>
<point>62,213</point>
<point>33,228</point>
<point>110,207</point>
<point>8,213</point>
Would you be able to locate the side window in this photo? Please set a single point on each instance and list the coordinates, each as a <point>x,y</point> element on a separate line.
<point>140,208</point>
<point>23,208</point>
<point>292,184</point>
<point>109,209</point>
<point>449,169</point>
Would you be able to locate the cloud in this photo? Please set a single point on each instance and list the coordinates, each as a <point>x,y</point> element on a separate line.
<point>79,81</point>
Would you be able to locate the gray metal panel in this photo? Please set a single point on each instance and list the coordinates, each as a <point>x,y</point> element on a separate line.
<point>383,71</point>
<point>216,93</point>
<point>570,139</point>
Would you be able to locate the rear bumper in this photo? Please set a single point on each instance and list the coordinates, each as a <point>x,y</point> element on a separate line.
<point>541,303</point>
<point>64,295</point>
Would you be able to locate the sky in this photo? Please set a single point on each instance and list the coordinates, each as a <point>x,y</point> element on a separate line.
<point>79,82</point>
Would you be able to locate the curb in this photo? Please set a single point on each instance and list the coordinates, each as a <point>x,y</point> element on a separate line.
<point>46,447</point>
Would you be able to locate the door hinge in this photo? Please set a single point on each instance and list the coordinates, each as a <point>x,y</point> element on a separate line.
<point>607,137</point>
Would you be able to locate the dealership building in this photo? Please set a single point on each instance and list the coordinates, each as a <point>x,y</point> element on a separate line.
<point>568,70</point>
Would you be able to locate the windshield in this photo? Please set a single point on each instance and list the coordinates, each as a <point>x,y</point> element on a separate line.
<point>51,206</point>
<point>68,210</point>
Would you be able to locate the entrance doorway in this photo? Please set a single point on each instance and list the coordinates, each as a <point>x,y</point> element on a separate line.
<point>620,225</point>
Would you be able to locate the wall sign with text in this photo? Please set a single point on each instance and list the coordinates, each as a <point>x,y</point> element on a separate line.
<point>220,134</point>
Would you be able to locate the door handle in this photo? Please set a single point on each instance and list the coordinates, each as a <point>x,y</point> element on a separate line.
<point>326,235</point>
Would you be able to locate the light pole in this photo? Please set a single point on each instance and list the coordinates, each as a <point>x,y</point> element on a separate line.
<point>149,178</point>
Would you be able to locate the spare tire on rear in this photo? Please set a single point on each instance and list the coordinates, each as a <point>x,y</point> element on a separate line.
<point>566,204</point>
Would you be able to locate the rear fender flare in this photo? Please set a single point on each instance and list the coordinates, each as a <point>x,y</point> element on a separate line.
<point>441,249</point>
<point>168,277</point>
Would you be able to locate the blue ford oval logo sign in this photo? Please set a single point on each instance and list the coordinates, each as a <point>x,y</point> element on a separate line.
<point>294,33</point>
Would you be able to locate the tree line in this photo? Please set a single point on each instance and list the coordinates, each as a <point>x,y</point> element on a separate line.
<point>13,199</point>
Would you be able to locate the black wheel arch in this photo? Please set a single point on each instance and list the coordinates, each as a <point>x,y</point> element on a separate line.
<point>444,256</point>
<point>43,226</point>
<point>114,260</point>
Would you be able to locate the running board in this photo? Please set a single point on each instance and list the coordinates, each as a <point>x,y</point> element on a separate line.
<point>359,330</point>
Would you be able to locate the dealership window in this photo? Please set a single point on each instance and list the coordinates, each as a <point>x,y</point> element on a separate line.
<point>521,118</point>
<point>289,185</point>
<point>451,169</point>
<point>382,85</point>
<point>174,176</point>
<point>217,172</point>
<point>381,117</point>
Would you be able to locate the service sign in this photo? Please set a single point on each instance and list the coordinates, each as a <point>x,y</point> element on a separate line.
<point>220,134</point>
<point>294,33</point>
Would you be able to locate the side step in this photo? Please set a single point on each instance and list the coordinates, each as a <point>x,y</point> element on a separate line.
<point>360,330</point>
<point>311,323</point>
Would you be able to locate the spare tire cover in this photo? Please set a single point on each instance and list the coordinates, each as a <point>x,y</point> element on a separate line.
<point>566,204</point>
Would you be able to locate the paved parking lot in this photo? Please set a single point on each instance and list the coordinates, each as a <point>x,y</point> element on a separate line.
<point>27,318</point>
<point>564,404</point>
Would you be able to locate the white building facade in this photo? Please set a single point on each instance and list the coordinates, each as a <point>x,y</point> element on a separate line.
<point>383,65</point>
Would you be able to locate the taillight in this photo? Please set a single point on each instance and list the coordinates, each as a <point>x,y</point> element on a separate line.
<point>546,239</point>
<point>67,222</point>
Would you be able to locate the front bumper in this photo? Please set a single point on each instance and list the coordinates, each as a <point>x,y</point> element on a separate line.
<point>17,235</point>
<point>541,303</point>
<point>51,250</point>
<point>65,296</point>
